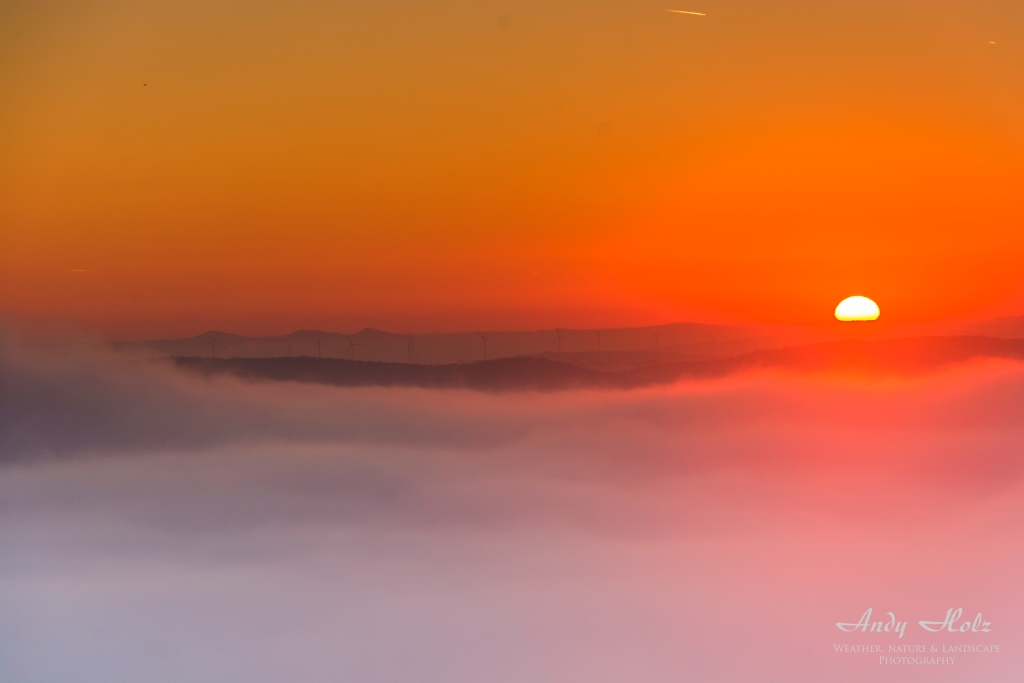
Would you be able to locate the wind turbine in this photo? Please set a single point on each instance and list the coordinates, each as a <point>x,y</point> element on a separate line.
<point>289,350</point>
<point>558,333</point>
<point>485,343</point>
<point>351,347</point>
<point>213,345</point>
<point>412,349</point>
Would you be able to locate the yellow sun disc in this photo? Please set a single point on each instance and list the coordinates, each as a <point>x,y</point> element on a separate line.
<point>857,308</point>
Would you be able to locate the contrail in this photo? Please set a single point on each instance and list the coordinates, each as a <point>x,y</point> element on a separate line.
<point>681,11</point>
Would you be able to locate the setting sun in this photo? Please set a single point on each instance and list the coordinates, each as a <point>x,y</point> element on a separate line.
<point>857,308</point>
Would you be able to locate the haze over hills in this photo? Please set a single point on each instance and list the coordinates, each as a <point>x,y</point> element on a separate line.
<point>1008,327</point>
<point>620,347</point>
<point>890,357</point>
<point>607,350</point>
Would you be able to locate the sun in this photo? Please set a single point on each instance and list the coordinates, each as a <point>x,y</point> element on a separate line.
<point>857,308</point>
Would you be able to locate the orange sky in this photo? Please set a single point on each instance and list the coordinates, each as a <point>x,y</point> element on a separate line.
<point>457,165</point>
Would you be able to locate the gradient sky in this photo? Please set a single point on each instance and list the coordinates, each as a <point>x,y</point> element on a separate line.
<point>452,165</point>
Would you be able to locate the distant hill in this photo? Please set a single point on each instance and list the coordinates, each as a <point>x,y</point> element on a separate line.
<point>1010,327</point>
<point>887,357</point>
<point>633,346</point>
<point>503,374</point>
<point>606,350</point>
<point>860,357</point>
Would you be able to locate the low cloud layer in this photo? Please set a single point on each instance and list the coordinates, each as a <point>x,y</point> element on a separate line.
<point>163,526</point>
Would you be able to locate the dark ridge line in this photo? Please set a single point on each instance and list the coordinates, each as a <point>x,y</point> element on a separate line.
<point>891,357</point>
<point>502,374</point>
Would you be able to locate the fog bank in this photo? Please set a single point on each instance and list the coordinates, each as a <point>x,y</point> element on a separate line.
<point>165,527</point>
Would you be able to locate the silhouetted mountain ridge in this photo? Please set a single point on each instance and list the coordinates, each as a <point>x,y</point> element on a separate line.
<point>891,357</point>
<point>680,340</point>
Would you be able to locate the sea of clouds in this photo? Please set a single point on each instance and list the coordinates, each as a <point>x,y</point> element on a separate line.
<point>161,526</point>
